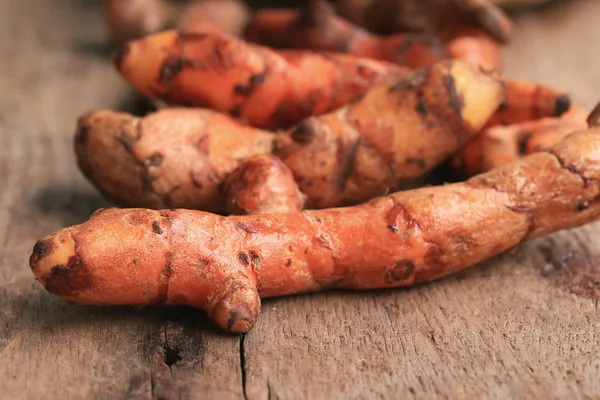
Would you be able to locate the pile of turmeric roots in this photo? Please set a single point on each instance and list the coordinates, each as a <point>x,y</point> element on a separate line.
<point>294,150</point>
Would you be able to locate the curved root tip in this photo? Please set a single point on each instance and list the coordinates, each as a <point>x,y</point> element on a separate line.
<point>593,119</point>
<point>238,311</point>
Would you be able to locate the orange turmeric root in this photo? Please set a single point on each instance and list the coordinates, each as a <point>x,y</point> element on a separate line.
<point>270,27</point>
<point>390,16</point>
<point>317,27</point>
<point>526,101</point>
<point>476,47</point>
<point>504,144</point>
<point>262,184</point>
<point>172,156</point>
<point>347,156</point>
<point>267,89</point>
<point>467,42</point>
<point>472,30</point>
<point>354,154</point>
<point>224,265</point>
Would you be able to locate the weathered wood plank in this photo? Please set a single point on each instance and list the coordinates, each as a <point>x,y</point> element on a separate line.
<point>54,67</point>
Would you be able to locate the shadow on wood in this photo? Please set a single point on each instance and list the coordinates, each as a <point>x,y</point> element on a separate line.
<point>173,333</point>
<point>68,206</point>
<point>134,103</point>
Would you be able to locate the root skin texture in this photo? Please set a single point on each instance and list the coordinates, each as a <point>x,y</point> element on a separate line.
<point>341,158</point>
<point>266,88</point>
<point>224,265</point>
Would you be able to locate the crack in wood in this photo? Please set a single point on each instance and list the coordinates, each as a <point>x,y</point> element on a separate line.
<point>269,390</point>
<point>171,356</point>
<point>243,365</point>
<point>152,386</point>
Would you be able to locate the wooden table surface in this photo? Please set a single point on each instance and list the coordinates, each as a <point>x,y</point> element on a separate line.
<point>523,325</point>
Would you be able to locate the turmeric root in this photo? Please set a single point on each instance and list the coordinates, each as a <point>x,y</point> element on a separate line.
<point>215,16</point>
<point>224,265</point>
<point>390,16</point>
<point>260,185</point>
<point>132,19</point>
<point>344,157</point>
<point>317,27</point>
<point>527,101</point>
<point>355,154</point>
<point>464,41</point>
<point>267,89</point>
<point>172,156</point>
<point>270,27</point>
<point>504,144</point>
<point>478,48</point>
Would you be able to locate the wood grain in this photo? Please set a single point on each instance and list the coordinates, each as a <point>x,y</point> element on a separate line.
<point>523,325</point>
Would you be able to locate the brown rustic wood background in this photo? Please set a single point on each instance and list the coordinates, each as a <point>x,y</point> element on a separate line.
<point>523,325</point>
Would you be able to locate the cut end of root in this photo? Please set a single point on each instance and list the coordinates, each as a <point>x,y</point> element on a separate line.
<point>478,94</point>
<point>53,252</point>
